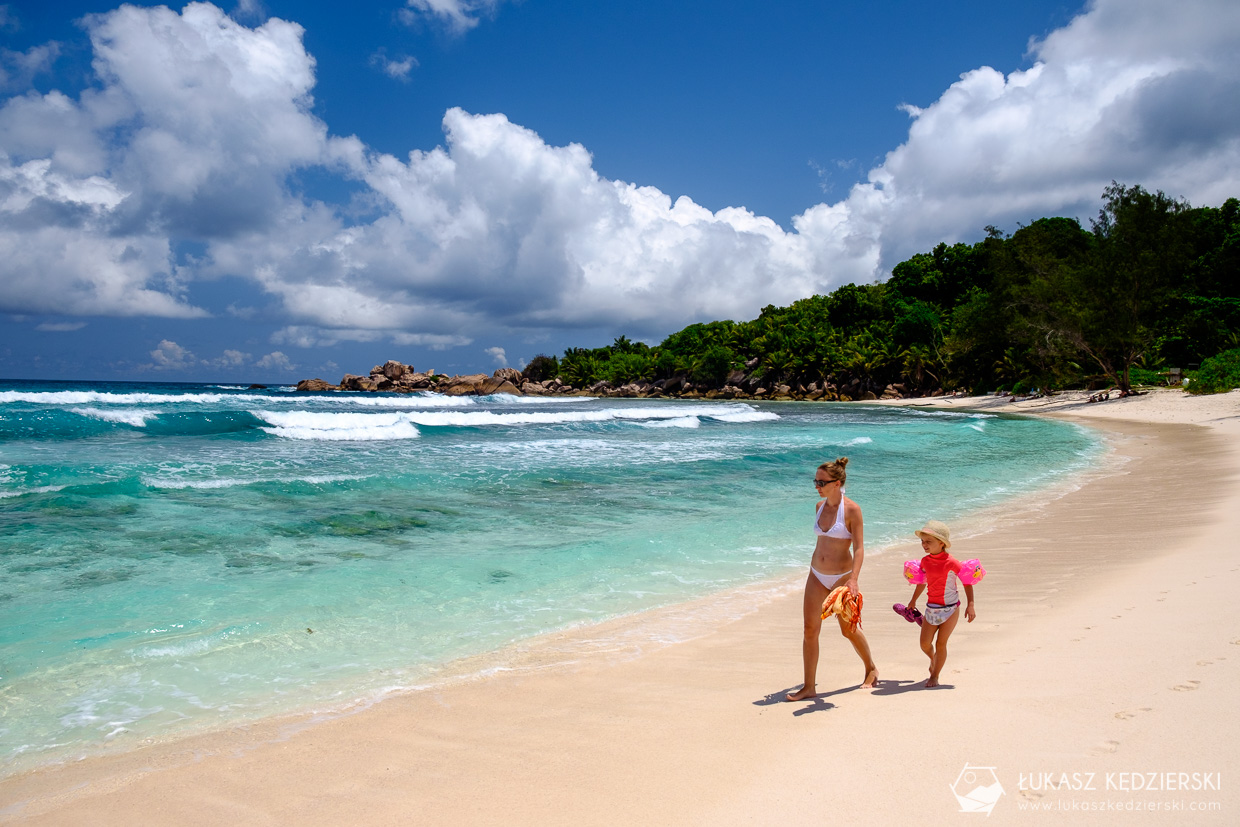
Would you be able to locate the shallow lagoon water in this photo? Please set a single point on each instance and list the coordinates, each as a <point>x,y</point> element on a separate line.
<point>181,556</point>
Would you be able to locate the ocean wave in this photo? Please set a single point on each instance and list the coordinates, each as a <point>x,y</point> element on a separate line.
<point>860,440</point>
<point>471,419</point>
<point>744,416</point>
<point>510,399</point>
<point>678,422</point>
<point>333,425</point>
<point>232,482</point>
<point>42,489</point>
<point>359,427</point>
<point>106,398</point>
<point>197,644</point>
<point>404,400</point>
<point>947,414</point>
<point>136,417</point>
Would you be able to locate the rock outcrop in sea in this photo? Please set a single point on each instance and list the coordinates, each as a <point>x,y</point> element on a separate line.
<point>394,377</point>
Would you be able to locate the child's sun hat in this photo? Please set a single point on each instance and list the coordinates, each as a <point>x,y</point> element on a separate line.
<point>937,530</point>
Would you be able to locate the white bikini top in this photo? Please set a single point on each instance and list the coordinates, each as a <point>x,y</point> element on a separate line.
<point>837,530</point>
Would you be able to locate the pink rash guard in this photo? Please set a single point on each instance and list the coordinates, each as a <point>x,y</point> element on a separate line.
<point>941,571</point>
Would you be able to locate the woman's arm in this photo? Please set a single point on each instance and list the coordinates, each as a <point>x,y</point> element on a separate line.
<point>856,527</point>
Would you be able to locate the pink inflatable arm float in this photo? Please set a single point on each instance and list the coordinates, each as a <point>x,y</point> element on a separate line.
<point>971,572</point>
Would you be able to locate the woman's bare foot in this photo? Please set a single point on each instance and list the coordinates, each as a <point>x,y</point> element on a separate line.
<point>932,681</point>
<point>871,678</point>
<point>802,693</point>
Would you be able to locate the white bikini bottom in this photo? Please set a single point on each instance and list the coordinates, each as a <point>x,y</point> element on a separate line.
<point>829,580</point>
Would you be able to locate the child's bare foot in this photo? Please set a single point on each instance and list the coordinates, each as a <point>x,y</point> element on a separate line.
<point>871,678</point>
<point>802,693</point>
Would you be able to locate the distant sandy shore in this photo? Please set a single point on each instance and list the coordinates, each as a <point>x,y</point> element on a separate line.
<point>1104,661</point>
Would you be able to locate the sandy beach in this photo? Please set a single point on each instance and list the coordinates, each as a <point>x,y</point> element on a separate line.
<point>1096,682</point>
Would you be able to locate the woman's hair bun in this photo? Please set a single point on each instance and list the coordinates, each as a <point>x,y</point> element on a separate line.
<point>842,461</point>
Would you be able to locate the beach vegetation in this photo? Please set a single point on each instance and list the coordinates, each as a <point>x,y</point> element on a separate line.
<point>541,368</point>
<point>1152,282</point>
<point>1218,374</point>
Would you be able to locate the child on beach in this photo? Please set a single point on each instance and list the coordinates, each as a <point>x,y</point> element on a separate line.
<point>942,600</point>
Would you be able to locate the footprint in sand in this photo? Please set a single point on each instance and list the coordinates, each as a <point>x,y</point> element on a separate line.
<point>1126,714</point>
<point>1204,662</point>
<point>1106,748</point>
<point>1032,795</point>
<point>1187,686</point>
<point>1116,617</point>
<point>1236,642</point>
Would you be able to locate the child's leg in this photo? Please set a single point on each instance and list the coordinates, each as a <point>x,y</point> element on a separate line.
<point>940,648</point>
<point>927,640</point>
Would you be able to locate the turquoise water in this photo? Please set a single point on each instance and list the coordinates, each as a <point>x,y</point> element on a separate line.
<point>179,556</point>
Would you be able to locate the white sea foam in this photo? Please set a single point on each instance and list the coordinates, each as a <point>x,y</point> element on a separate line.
<point>343,425</point>
<point>948,414</point>
<point>359,427</point>
<point>231,482</point>
<point>136,417</point>
<point>469,419</point>
<point>102,398</point>
<point>744,416</point>
<point>410,400</point>
<point>42,489</point>
<point>860,440</point>
<point>678,422</point>
<point>509,399</point>
<point>176,650</point>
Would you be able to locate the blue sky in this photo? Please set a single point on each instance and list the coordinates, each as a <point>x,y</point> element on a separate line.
<point>272,191</point>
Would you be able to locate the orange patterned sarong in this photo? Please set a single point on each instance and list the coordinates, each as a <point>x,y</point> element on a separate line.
<point>844,603</point>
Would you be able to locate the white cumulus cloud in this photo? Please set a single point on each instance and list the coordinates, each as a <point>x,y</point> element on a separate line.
<point>498,355</point>
<point>458,15</point>
<point>197,122</point>
<point>213,115</point>
<point>1139,91</point>
<point>230,359</point>
<point>168,355</point>
<point>276,360</point>
<point>395,68</point>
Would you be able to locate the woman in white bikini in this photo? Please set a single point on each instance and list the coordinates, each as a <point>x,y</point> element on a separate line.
<point>838,556</point>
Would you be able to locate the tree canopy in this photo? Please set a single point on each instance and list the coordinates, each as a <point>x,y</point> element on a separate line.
<point>1153,282</point>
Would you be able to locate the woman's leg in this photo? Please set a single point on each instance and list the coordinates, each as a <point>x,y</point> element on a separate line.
<point>940,647</point>
<point>862,646</point>
<point>815,593</point>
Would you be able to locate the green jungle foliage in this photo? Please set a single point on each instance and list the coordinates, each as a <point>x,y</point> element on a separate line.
<point>1218,374</point>
<point>1153,282</point>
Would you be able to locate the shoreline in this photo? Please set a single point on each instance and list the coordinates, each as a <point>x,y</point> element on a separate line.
<point>548,739</point>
